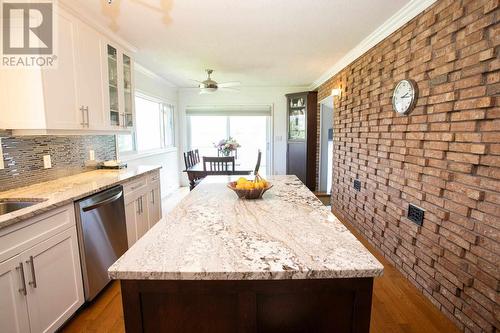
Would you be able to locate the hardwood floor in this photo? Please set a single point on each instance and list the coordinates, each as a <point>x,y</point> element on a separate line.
<point>397,306</point>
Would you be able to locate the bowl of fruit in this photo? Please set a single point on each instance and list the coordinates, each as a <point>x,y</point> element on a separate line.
<point>250,189</point>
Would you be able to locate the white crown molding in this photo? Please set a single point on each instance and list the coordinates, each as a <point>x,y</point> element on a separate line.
<point>396,21</point>
<point>143,70</point>
<point>83,16</point>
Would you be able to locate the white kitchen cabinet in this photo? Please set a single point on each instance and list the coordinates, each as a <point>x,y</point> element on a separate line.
<point>154,205</point>
<point>54,281</point>
<point>142,205</point>
<point>74,95</point>
<point>137,217</point>
<point>90,77</point>
<point>60,83</point>
<point>40,274</point>
<point>142,216</point>
<point>131,209</point>
<point>13,305</point>
<point>119,99</point>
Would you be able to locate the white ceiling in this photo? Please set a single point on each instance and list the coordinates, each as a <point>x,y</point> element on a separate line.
<point>257,42</point>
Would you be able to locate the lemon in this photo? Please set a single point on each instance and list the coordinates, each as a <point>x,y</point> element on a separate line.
<point>241,180</point>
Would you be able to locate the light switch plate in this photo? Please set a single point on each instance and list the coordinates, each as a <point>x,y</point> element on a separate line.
<point>91,155</point>
<point>47,162</point>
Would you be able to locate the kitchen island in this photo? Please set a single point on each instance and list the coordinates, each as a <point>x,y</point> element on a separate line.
<point>219,264</point>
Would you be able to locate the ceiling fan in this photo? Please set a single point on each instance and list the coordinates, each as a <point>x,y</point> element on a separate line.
<point>210,86</point>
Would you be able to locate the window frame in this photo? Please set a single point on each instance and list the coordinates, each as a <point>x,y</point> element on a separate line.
<point>165,108</point>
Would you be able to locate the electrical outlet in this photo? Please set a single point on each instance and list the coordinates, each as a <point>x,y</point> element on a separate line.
<point>47,162</point>
<point>357,185</point>
<point>416,214</point>
<point>91,155</point>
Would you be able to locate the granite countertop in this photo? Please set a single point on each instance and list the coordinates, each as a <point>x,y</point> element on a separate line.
<point>213,235</point>
<point>59,192</point>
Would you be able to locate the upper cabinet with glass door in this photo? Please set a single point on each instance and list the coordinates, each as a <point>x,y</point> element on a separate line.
<point>114,109</point>
<point>296,118</point>
<point>128,97</point>
<point>120,88</point>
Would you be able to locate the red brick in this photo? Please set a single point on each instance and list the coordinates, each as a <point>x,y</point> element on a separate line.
<point>468,148</point>
<point>474,103</point>
<point>491,125</point>
<point>466,126</point>
<point>468,115</point>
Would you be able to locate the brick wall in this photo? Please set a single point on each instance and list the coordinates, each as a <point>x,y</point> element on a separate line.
<point>443,157</point>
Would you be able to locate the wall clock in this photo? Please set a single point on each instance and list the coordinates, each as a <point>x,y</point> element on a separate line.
<point>405,96</point>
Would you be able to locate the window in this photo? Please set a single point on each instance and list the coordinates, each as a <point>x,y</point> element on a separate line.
<point>168,125</point>
<point>148,124</point>
<point>251,132</point>
<point>154,127</point>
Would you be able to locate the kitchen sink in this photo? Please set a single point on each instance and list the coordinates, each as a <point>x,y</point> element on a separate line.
<point>11,205</point>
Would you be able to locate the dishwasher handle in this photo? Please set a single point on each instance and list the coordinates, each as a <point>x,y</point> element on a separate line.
<point>104,202</point>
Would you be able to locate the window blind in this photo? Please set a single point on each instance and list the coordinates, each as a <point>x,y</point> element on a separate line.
<point>229,110</point>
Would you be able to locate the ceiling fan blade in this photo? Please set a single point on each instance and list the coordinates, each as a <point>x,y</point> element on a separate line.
<point>228,89</point>
<point>200,82</point>
<point>229,84</point>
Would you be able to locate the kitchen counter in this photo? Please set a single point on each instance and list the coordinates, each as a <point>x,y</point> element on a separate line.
<point>211,235</point>
<point>220,264</point>
<point>59,192</point>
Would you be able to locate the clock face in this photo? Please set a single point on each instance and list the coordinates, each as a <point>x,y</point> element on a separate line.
<point>404,97</point>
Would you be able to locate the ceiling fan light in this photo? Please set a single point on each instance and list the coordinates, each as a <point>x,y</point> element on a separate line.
<point>208,90</point>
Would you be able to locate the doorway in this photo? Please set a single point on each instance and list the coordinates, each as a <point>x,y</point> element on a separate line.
<point>326,145</point>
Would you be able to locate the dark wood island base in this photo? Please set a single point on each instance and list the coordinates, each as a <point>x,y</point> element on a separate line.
<point>312,305</point>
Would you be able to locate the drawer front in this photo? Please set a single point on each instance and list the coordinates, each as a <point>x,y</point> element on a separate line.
<point>135,186</point>
<point>154,178</point>
<point>23,235</point>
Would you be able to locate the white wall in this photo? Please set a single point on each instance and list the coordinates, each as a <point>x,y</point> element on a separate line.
<point>148,83</point>
<point>274,96</point>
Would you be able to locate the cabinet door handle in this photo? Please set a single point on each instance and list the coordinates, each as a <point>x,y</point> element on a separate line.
<point>153,195</point>
<point>138,207</point>
<point>83,116</point>
<point>140,200</point>
<point>33,277</point>
<point>22,290</point>
<point>87,112</point>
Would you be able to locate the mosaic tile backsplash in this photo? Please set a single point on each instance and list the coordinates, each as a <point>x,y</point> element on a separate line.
<point>23,157</point>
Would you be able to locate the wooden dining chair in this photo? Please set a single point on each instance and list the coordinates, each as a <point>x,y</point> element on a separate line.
<point>196,156</point>
<point>187,162</point>
<point>219,165</point>
<point>257,165</point>
<point>188,159</point>
<point>191,158</point>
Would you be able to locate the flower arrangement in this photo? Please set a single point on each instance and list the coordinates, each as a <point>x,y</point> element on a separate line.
<point>226,146</point>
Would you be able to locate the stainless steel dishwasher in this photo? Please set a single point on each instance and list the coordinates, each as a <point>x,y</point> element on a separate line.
<point>102,236</point>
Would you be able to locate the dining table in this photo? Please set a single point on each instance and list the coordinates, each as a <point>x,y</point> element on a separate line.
<point>197,171</point>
